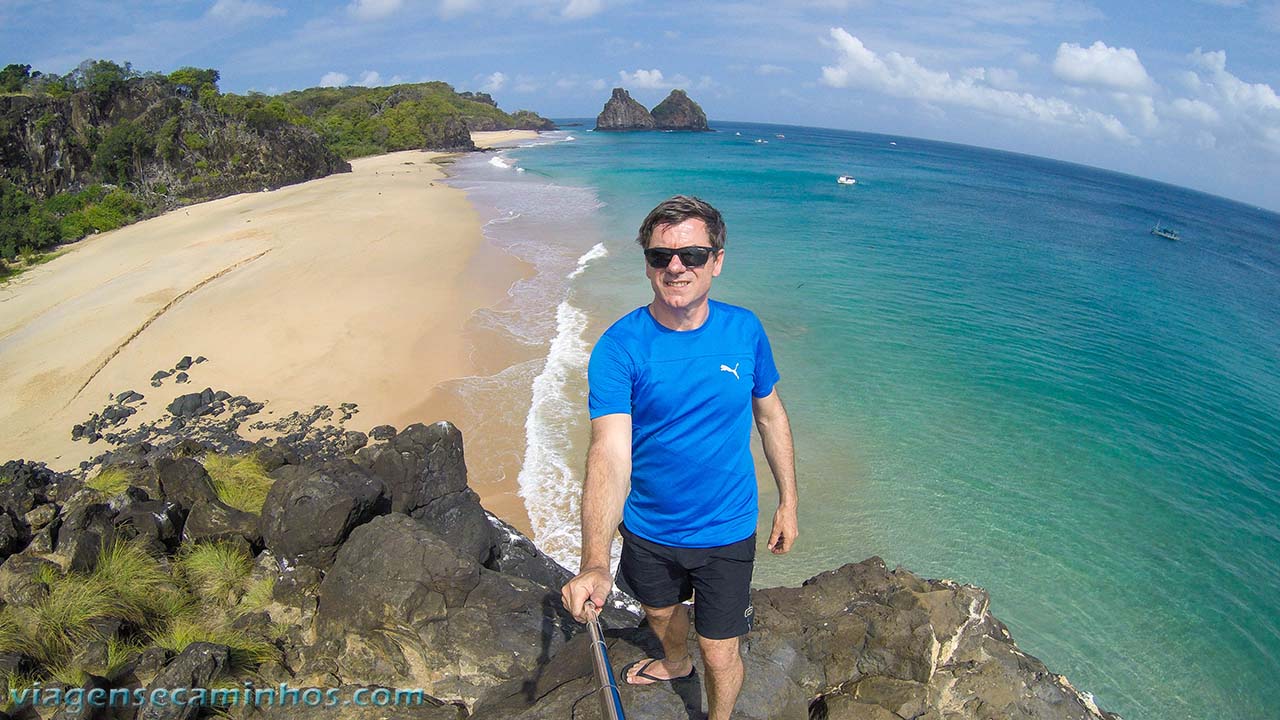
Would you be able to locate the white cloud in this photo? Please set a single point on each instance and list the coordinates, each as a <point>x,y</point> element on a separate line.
<point>334,79</point>
<point>1196,111</point>
<point>768,69</point>
<point>1249,112</point>
<point>599,84</point>
<point>1098,64</point>
<point>370,78</point>
<point>235,11</point>
<point>903,77</point>
<point>373,9</point>
<point>581,8</point>
<point>494,82</point>
<point>651,79</point>
<point>1141,107</point>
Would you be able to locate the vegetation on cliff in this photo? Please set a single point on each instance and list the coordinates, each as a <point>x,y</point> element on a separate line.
<point>105,145</point>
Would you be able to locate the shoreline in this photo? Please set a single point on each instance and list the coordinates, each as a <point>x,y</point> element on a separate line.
<point>353,288</point>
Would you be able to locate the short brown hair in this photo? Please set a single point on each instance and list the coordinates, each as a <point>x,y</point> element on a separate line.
<point>678,208</point>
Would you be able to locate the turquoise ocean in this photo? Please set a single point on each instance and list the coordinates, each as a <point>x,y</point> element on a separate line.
<point>995,374</point>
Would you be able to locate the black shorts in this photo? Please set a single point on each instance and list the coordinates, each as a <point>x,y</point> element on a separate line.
<point>661,576</point>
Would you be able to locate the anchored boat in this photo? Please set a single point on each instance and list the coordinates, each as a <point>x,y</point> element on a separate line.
<point>1166,233</point>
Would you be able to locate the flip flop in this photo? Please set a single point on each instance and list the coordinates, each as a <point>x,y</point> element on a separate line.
<point>626,673</point>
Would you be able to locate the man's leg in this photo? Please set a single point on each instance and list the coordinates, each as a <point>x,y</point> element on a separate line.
<point>724,675</point>
<point>671,625</point>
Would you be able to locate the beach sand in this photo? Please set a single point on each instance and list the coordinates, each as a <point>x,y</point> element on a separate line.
<point>352,288</point>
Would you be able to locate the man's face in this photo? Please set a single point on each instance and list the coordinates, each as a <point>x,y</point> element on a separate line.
<point>675,285</point>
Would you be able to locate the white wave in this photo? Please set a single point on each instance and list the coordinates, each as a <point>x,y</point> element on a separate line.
<point>549,487</point>
<point>596,252</point>
<point>499,162</point>
<point>570,139</point>
<point>519,169</point>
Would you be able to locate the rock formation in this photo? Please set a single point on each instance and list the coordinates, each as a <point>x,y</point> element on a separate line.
<point>382,569</point>
<point>201,153</point>
<point>678,112</point>
<point>621,112</point>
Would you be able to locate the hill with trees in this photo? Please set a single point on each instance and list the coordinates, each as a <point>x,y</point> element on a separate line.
<point>105,145</point>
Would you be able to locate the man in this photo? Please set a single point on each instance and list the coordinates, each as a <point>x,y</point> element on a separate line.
<point>673,389</point>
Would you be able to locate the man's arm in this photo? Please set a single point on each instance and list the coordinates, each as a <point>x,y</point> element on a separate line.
<point>603,494</point>
<point>775,434</point>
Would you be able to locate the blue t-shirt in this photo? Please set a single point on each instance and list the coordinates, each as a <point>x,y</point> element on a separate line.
<point>689,393</point>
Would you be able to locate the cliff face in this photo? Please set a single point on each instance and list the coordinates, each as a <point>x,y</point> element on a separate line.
<point>621,112</point>
<point>167,146</point>
<point>678,112</point>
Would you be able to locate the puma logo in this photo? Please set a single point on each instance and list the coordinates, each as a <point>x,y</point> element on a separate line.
<point>733,370</point>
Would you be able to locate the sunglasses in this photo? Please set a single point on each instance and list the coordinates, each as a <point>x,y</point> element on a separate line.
<point>691,257</point>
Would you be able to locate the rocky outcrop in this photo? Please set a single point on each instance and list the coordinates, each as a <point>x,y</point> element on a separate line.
<point>47,144</point>
<point>621,112</point>
<point>678,112</point>
<point>378,576</point>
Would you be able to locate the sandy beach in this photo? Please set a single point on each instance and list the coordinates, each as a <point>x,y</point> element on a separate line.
<point>352,288</point>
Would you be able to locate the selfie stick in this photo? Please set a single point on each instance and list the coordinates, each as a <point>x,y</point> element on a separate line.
<point>610,701</point>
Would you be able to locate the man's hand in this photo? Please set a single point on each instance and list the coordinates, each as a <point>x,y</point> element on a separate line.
<point>592,584</point>
<point>785,530</point>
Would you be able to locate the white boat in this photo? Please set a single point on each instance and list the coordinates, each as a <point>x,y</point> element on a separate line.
<point>780,135</point>
<point>846,180</point>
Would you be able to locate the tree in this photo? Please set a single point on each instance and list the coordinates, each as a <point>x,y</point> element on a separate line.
<point>190,80</point>
<point>120,154</point>
<point>13,77</point>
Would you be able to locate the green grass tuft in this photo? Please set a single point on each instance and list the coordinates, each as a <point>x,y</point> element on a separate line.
<point>257,597</point>
<point>110,482</point>
<point>247,650</point>
<point>239,481</point>
<point>218,573</point>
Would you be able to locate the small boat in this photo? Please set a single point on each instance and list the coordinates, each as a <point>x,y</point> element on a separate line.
<point>780,135</point>
<point>1165,233</point>
<point>846,180</point>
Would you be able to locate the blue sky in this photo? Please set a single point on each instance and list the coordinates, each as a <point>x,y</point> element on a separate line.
<point>1182,91</point>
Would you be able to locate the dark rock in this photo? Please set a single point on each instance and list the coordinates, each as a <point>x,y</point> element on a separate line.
<point>461,629</point>
<point>18,583</point>
<point>309,512</point>
<point>13,535</point>
<point>160,375</point>
<point>459,517</point>
<point>181,377</point>
<point>195,667</point>
<point>214,521</point>
<point>514,554</point>
<point>144,667</point>
<point>84,710</point>
<point>185,482</point>
<point>353,441</point>
<point>40,516</point>
<point>426,577</point>
<point>87,530</point>
<point>678,112</point>
<point>201,359</point>
<point>297,585</point>
<point>184,363</point>
<point>129,396</point>
<point>28,485</point>
<point>188,405</point>
<point>382,432</point>
<point>221,395</point>
<point>421,464</point>
<point>623,113</point>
